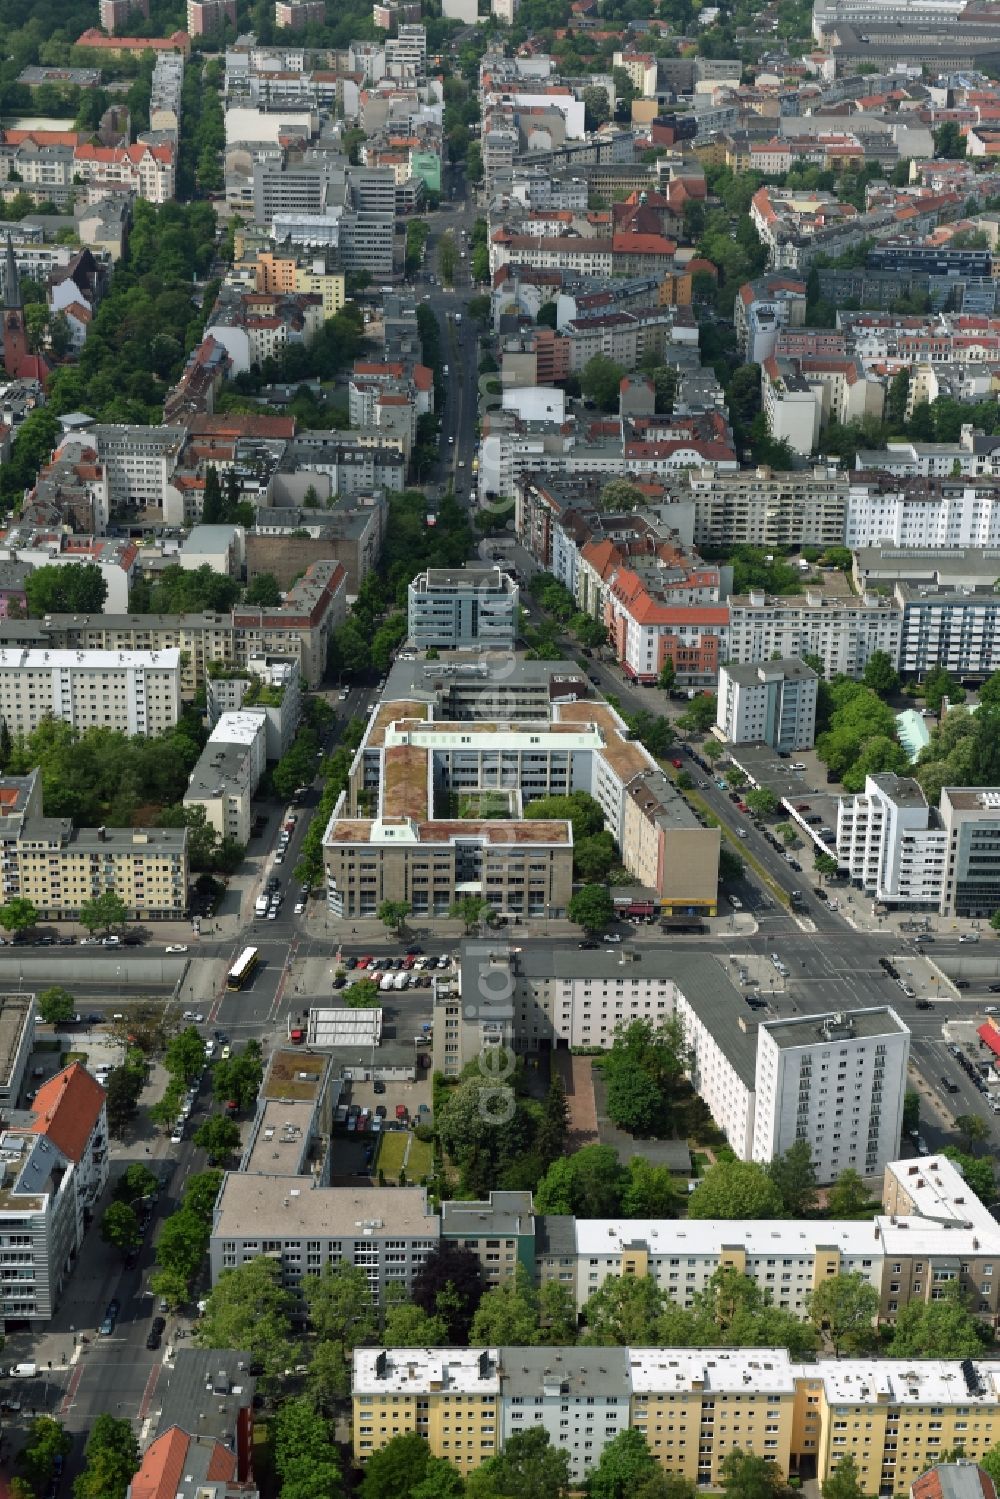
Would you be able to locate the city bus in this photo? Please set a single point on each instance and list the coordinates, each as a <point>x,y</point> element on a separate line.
<point>242,969</point>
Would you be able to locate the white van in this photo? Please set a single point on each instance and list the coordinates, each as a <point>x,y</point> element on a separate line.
<point>399,980</point>
<point>260,906</point>
<point>23,1371</point>
<point>387,981</point>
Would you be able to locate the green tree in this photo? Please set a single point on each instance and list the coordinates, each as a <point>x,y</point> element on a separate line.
<point>747,1475</point>
<point>624,1465</point>
<point>762,803</point>
<point>409,1326</point>
<point>135,1182</point>
<point>263,591</point>
<point>937,1329</point>
<point>393,914</point>
<point>528,1467</point>
<point>471,910</point>
<point>111,1458</point>
<point>305,1456</point>
<point>18,914</point>
<point>844,1481</point>
<point>623,1312</point>
<point>56,1006</point>
<point>794,1175</point>
<point>977,1170</point>
<point>667,680</point>
<point>619,495</point>
<point>340,1305</point>
<point>592,908</point>
<point>849,1197</point>
<point>880,674</point>
<point>46,1446</point>
<point>973,1130</point>
<point>600,381</point>
<point>699,715</point>
<point>120,1227</point>
<point>650,1191</point>
<point>212,505</point>
<point>329,1378</point>
<point>846,1306</point>
<point>239,1078</point>
<point>911,1111</point>
<point>171,1286</point>
<point>185,1055</point>
<point>587,1184</point>
<point>65,588</point>
<point>392,1470</point>
<point>735,1189</point>
<point>557,1315</point>
<point>507,1313</point>
<point>219,1136</point>
<point>450,1284</point>
<point>249,1308</point>
<point>103,912</point>
<point>550,1139</point>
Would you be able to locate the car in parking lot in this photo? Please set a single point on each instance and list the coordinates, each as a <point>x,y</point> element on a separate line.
<point>378,1086</point>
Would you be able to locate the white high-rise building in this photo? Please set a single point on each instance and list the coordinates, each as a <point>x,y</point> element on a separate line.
<point>836,1081</point>
<point>135,692</point>
<point>892,843</point>
<point>768,702</point>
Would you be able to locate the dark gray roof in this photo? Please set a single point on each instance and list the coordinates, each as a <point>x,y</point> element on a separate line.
<point>721,1011</point>
<point>581,1371</point>
<point>197,1399</point>
<point>507,1213</point>
<point>555,1234</point>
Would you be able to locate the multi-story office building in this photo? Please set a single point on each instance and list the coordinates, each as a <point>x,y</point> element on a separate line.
<point>411,767</point>
<point>771,702</point>
<point>134,692</point>
<point>892,843</point>
<point>804,507</point>
<point>386,1231</point>
<point>970,817</point>
<point>843,632</point>
<point>836,1081</point>
<point>462,609</point>
<point>140,461</point>
<point>53,1168</point>
<point>894,1417</point>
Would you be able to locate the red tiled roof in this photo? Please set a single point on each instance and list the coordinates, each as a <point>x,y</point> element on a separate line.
<point>66,1108</point>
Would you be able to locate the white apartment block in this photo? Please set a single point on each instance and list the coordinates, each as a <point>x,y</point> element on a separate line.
<point>836,1081</point>
<point>228,772</point>
<point>576,1398</point>
<point>53,1169</point>
<point>768,702</point>
<point>134,692</point>
<point>843,632</point>
<point>892,843</point>
<point>804,507</point>
<point>971,820</point>
<point>387,1232</point>
<point>922,513</point>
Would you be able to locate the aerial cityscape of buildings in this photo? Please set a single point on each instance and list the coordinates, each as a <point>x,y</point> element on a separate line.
<point>499,769</point>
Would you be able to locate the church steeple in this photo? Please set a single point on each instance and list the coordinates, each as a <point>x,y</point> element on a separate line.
<point>11,281</point>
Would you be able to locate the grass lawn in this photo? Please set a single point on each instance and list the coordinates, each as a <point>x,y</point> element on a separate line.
<point>391,1153</point>
<point>421,1159</point>
<point>699,1162</point>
